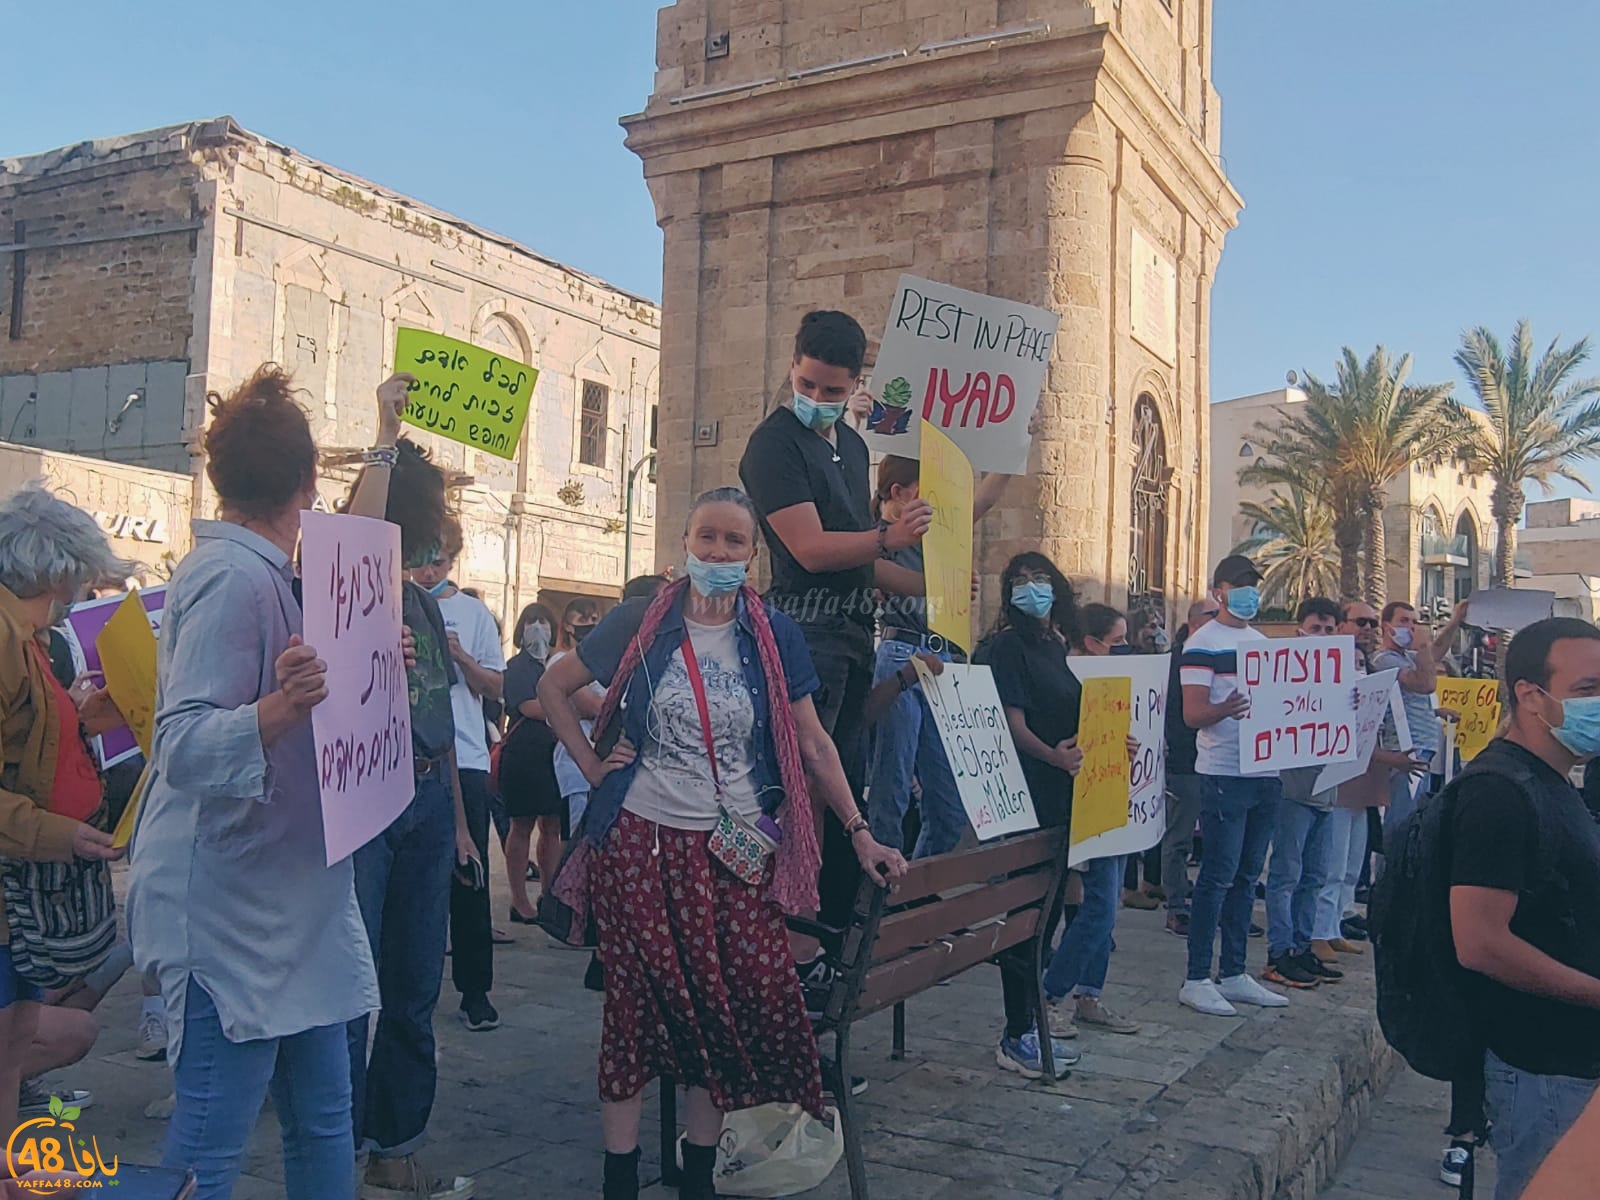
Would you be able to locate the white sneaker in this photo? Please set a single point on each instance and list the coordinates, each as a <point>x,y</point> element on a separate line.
<point>1243,989</point>
<point>1202,996</point>
<point>152,1044</point>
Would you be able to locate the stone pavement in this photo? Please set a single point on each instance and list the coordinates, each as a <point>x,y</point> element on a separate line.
<point>1397,1156</point>
<point>1202,1108</point>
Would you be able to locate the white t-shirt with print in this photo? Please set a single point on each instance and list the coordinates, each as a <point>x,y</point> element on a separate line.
<point>470,620</point>
<point>1211,660</point>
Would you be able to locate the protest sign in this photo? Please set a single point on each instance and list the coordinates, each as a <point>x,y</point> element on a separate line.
<point>1477,701</point>
<point>351,572</point>
<point>127,647</point>
<point>1302,703</point>
<point>945,482</point>
<point>1373,696</point>
<point>969,364</point>
<point>977,742</point>
<point>82,626</point>
<point>463,392</point>
<point>1100,791</point>
<point>1147,778</point>
<point>1512,609</point>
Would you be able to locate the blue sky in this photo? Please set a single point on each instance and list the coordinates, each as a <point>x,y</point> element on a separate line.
<point>1409,169</point>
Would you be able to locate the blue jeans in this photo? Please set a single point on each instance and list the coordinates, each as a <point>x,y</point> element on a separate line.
<point>1300,867</point>
<point>220,1086</point>
<point>1347,847</point>
<point>1084,955</point>
<point>1237,816</point>
<point>906,744</point>
<point>1527,1115</point>
<point>403,887</point>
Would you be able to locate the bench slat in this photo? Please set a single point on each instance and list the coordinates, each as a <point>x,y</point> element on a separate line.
<point>928,876</point>
<point>895,981</point>
<point>906,930</point>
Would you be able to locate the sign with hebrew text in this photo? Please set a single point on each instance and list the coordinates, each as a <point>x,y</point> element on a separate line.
<point>463,392</point>
<point>1149,675</point>
<point>1476,703</point>
<point>1304,705</point>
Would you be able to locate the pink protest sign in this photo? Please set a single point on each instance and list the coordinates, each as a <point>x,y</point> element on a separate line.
<point>350,576</point>
<point>82,626</point>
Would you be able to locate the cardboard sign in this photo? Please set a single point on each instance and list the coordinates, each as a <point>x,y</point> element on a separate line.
<point>1147,778</point>
<point>945,482</point>
<point>977,741</point>
<point>350,567</point>
<point>1478,702</point>
<point>1100,792</point>
<point>462,392</point>
<point>81,628</point>
<point>127,648</point>
<point>969,364</point>
<point>1302,703</point>
<point>1512,609</point>
<point>1373,697</point>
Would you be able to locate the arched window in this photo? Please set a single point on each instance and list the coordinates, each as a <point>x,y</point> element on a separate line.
<point>1467,547</point>
<point>1147,549</point>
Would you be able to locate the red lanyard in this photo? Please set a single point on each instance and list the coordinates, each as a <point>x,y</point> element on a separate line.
<point>692,666</point>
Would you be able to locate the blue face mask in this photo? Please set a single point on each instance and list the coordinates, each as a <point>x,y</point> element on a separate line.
<point>1403,636</point>
<point>1244,602</point>
<point>437,589</point>
<point>819,418</point>
<point>1036,598</point>
<point>1124,648</point>
<point>715,579</point>
<point>1579,730</point>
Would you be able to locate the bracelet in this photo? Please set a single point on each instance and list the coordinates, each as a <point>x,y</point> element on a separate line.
<point>381,456</point>
<point>855,825</point>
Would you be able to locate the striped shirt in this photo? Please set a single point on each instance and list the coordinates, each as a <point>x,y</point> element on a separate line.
<point>1211,660</point>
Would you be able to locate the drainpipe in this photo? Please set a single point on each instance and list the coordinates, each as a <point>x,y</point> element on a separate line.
<point>627,518</point>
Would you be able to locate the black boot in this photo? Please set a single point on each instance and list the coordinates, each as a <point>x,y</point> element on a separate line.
<point>699,1162</point>
<point>622,1176</point>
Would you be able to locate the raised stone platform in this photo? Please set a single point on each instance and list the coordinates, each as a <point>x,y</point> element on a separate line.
<point>1260,1107</point>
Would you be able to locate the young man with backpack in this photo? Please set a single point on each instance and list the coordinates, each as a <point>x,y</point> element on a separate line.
<point>1487,912</point>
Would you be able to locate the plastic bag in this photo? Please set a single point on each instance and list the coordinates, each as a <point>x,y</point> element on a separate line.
<point>776,1150</point>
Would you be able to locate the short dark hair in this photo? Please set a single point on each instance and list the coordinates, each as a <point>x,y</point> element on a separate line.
<point>643,587</point>
<point>1098,620</point>
<point>581,606</point>
<point>1528,657</point>
<point>259,451</point>
<point>1317,606</point>
<point>834,338</point>
<point>1395,606</point>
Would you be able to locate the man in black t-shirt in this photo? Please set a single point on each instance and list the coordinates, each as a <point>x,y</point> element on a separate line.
<point>1183,781</point>
<point>1525,897</point>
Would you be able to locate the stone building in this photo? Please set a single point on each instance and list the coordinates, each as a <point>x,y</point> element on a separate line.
<point>1437,529</point>
<point>1058,152</point>
<point>138,273</point>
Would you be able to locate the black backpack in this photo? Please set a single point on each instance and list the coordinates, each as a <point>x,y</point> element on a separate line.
<point>1423,1004</point>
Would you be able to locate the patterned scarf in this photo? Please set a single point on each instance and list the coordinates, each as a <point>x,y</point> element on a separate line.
<point>798,858</point>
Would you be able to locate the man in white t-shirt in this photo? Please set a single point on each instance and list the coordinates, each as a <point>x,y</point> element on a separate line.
<point>1237,812</point>
<point>480,665</point>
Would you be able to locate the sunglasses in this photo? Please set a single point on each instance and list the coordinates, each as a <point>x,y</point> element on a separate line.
<point>1365,623</point>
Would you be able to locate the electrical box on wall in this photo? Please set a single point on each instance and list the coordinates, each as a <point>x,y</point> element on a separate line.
<point>717,45</point>
<point>707,433</point>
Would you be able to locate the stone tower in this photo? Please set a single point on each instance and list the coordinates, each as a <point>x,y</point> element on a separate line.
<point>804,153</point>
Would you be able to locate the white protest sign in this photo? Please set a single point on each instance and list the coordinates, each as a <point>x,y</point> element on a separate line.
<point>350,571</point>
<point>1373,695</point>
<point>977,741</point>
<point>1302,703</point>
<point>1509,608</point>
<point>1147,795</point>
<point>971,364</point>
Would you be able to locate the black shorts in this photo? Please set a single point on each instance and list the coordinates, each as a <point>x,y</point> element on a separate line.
<point>528,784</point>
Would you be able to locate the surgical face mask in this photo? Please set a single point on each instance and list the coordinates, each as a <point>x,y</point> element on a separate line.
<point>1244,602</point>
<point>1403,636</point>
<point>715,579</point>
<point>1579,730</point>
<point>1160,643</point>
<point>1036,597</point>
<point>536,639</point>
<point>440,588</point>
<point>817,417</point>
<point>1124,648</point>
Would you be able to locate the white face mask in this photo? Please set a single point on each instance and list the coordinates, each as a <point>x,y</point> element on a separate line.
<point>536,639</point>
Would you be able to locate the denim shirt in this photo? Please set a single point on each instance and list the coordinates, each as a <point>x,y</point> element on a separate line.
<point>602,653</point>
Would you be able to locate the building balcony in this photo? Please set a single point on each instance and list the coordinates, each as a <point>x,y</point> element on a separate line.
<point>1447,552</point>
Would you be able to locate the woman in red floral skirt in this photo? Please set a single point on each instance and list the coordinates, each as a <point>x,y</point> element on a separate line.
<point>699,837</point>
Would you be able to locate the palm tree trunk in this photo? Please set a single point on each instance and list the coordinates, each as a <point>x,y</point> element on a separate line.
<point>1376,559</point>
<point>1347,537</point>
<point>1505,554</point>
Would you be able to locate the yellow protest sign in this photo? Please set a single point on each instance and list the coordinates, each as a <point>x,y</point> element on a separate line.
<point>123,834</point>
<point>946,483</point>
<point>1100,793</point>
<point>127,647</point>
<point>1477,703</point>
<point>464,392</point>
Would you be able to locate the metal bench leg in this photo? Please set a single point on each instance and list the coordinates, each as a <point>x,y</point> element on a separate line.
<point>670,1175</point>
<point>1041,1016</point>
<point>899,1051</point>
<point>852,1132</point>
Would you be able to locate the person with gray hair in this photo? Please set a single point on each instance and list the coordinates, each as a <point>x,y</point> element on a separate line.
<point>52,794</point>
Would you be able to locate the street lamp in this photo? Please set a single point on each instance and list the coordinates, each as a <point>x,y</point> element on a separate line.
<point>627,520</point>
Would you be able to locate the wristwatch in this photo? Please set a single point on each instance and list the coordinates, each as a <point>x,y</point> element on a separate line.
<point>883,539</point>
<point>855,825</point>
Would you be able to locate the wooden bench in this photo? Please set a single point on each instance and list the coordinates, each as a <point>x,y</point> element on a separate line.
<point>950,913</point>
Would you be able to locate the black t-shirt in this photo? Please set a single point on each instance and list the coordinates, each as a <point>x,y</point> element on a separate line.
<point>1545,847</point>
<point>1181,747</point>
<point>1031,673</point>
<point>785,464</point>
<point>522,677</point>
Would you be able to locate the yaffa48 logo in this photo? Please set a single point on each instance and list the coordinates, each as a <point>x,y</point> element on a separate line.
<point>50,1144</point>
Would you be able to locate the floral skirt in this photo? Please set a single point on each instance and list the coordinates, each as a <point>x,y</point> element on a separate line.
<point>700,983</point>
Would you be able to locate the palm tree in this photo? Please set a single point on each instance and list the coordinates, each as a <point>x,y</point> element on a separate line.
<point>1293,542</point>
<point>1295,467</point>
<point>1541,422</point>
<point>1357,436</point>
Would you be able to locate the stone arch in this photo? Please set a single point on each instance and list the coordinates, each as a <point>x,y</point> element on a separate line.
<point>1469,527</point>
<point>516,338</point>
